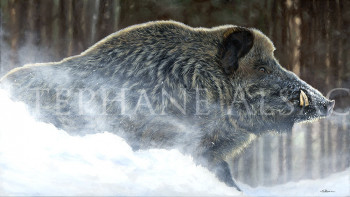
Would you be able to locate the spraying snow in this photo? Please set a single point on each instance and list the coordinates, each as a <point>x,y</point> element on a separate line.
<point>38,159</point>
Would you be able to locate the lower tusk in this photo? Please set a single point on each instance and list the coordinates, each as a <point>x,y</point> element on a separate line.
<point>304,101</point>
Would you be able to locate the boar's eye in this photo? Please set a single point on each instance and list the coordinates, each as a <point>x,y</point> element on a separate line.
<point>262,69</point>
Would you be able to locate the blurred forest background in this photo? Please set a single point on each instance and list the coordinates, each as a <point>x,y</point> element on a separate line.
<point>311,38</point>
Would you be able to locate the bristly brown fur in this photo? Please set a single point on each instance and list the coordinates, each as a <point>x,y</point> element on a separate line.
<point>231,68</point>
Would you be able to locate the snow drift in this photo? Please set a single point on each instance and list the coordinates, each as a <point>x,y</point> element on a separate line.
<point>38,159</point>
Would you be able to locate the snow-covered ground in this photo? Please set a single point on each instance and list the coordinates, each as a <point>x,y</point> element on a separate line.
<point>38,159</point>
<point>337,184</point>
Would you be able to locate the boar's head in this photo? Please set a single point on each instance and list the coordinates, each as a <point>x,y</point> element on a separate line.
<point>267,96</point>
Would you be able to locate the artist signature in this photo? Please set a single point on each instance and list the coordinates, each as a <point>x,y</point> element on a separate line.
<point>326,191</point>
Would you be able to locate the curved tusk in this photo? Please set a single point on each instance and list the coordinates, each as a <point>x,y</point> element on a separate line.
<point>304,101</point>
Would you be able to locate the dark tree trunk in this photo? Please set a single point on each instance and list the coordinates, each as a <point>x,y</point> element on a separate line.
<point>105,20</point>
<point>63,28</point>
<point>78,27</point>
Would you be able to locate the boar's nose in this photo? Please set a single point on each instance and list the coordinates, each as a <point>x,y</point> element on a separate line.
<point>330,107</point>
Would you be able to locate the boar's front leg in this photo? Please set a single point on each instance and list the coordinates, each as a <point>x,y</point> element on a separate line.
<point>222,171</point>
<point>217,164</point>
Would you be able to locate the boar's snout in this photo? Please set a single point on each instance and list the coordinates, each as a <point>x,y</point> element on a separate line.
<point>311,103</point>
<point>308,103</point>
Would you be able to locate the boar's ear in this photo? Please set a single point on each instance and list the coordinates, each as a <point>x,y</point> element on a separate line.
<point>236,44</point>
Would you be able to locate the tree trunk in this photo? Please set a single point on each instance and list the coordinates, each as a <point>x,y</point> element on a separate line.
<point>105,19</point>
<point>63,28</point>
<point>78,24</point>
<point>267,159</point>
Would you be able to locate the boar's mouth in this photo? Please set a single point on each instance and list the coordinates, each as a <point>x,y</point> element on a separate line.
<point>307,105</point>
<point>311,105</point>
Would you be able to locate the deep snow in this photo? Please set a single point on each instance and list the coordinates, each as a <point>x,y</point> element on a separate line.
<point>38,159</point>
